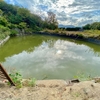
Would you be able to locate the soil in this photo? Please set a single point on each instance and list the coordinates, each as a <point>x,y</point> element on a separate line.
<point>52,90</point>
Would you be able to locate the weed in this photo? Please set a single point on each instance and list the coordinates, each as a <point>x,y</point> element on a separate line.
<point>32,82</point>
<point>77,94</point>
<point>83,77</point>
<point>16,78</point>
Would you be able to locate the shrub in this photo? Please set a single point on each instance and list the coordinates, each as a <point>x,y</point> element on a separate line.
<point>17,79</point>
<point>13,33</point>
<point>32,82</point>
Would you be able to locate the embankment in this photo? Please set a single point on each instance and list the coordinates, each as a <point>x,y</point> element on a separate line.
<point>74,36</point>
<point>4,40</point>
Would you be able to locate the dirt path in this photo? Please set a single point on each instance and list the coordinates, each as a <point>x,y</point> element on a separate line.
<point>52,90</point>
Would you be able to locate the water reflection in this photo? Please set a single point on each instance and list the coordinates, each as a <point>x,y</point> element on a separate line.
<point>55,59</point>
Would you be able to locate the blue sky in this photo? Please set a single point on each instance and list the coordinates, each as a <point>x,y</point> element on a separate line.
<point>68,12</point>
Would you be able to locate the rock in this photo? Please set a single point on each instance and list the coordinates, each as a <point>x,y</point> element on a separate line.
<point>97,79</point>
<point>71,82</point>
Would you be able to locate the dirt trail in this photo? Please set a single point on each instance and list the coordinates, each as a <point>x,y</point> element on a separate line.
<point>52,90</point>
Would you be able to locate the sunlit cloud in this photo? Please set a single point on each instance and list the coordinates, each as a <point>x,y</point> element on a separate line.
<point>74,12</point>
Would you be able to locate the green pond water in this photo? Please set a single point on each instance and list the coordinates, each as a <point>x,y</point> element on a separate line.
<point>50,57</point>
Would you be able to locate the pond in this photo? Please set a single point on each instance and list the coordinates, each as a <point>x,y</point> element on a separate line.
<point>51,57</point>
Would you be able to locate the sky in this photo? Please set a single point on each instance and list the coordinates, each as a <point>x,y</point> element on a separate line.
<point>68,12</point>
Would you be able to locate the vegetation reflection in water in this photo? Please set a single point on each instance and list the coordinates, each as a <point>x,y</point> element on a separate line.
<point>51,57</point>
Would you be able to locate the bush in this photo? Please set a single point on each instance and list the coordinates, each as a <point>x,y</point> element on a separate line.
<point>3,21</point>
<point>4,31</point>
<point>13,33</point>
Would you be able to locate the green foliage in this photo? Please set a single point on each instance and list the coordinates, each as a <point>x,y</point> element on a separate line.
<point>92,33</point>
<point>14,19</point>
<point>4,31</point>
<point>87,27</point>
<point>93,26</point>
<point>16,78</point>
<point>1,12</point>
<point>3,21</point>
<point>7,7</point>
<point>22,25</point>
<point>23,12</point>
<point>13,33</point>
<point>12,26</point>
<point>17,17</point>
<point>80,35</point>
<point>29,82</point>
<point>2,36</point>
<point>56,31</point>
<point>28,31</point>
<point>32,82</point>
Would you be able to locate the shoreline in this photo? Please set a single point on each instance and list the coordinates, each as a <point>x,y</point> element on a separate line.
<point>73,36</point>
<point>2,42</point>
<point>67,35</point>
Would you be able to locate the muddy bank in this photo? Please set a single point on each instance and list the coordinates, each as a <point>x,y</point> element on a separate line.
<point>4,40</point>
<point>52,90</point>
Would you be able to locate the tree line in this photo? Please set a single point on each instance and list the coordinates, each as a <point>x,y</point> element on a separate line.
<point>93,26</point>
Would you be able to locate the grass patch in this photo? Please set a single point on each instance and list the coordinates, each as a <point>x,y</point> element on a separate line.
<point>18,80</point>
<point>4,32</point>
<point>83,77</point>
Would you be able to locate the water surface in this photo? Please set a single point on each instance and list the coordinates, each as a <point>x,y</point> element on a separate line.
<point>51,57</point>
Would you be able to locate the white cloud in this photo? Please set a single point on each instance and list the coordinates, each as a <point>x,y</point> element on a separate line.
<point>75,12</point>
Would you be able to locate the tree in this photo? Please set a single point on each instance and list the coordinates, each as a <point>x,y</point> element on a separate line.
<point>95,26</point>
<point>1,12</point>
<point>22,25</point>
<point>87,27</point>
<point>3,21</point>
<point>51,20</point>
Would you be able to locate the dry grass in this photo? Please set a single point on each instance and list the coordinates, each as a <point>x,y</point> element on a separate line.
<point>85,34</point>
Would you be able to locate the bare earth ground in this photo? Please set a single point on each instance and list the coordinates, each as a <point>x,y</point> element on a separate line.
<point>52,90</point>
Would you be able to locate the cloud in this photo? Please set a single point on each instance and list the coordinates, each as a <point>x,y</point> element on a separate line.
<point>75,12</point>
